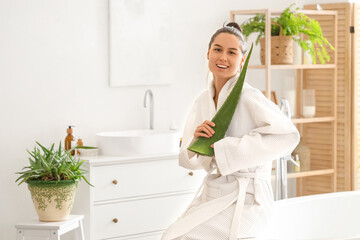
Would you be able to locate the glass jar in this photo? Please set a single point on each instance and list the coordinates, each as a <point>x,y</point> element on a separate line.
<point>308,103</point>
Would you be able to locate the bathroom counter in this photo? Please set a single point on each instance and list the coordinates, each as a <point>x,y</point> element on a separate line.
<point>103,159</point>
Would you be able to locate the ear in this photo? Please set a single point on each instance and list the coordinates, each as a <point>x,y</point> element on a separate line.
<point>207,55</point>
<point>242,63</point>
<point>243,59</point>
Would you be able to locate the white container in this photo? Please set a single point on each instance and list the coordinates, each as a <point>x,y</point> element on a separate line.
<point>307,56</point>
<point>308,103</point>
<point>297,53</point>
<point>309,111</point>
<point>290,95</point>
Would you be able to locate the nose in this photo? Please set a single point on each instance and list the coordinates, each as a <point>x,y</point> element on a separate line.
<point>223,57</point>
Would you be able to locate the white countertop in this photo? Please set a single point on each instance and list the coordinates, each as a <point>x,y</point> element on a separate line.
<point>103,159</point>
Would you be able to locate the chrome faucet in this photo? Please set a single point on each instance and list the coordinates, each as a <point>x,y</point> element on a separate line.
<point>281,163</point>
<point>149,92</point>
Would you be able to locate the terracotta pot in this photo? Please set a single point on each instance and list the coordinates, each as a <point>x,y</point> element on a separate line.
<point>53,201</point>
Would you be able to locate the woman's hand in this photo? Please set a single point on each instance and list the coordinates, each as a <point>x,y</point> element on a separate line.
<point>204,130</point>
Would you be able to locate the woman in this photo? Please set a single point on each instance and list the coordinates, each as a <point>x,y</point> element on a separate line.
<point>236,201</point>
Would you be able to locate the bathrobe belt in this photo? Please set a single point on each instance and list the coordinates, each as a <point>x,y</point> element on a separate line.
<point>195,215</point>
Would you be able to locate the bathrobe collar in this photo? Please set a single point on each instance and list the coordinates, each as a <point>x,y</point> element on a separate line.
<point>224,92</point>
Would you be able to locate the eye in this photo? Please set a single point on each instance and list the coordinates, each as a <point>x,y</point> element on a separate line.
<point>232,53</point>
<point>217,49</point>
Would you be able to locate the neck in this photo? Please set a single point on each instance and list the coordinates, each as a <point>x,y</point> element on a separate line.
<point>219,84</point>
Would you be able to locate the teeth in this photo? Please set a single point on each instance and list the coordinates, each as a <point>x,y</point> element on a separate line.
<point>222,66</point>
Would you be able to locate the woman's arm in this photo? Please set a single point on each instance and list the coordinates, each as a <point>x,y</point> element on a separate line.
<point>275,136</point>
<point>189,159</point>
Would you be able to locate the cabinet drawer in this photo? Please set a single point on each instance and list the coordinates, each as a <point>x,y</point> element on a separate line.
<point>140,216</point>
<point>143,178</point>
<point>147,237</point>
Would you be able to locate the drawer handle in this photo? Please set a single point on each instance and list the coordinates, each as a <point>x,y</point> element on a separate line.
<point>191,173</point>
<point>115,220</point>
<point>115,182</point>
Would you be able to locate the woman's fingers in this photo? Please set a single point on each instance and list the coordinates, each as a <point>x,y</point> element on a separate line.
<point>206,125</point>
<point>209,123</point>
<point>201,134</point>
<point>205,129</point>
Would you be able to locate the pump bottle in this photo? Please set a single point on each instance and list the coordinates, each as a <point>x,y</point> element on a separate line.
<point>70,140</point>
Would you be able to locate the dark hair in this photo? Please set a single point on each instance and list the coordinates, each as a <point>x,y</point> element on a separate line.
<point>234,29</point>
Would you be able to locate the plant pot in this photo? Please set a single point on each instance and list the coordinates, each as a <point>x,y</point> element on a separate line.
<point>53,201</point>
<point>281,49</point>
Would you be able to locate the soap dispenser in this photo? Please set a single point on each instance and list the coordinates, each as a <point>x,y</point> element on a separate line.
<point>79,143</point>
<point>70,140</point>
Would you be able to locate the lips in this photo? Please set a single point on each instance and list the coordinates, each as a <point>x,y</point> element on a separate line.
<point>222,66</point>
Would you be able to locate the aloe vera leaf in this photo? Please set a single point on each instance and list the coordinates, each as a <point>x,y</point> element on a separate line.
<point>223,117</point>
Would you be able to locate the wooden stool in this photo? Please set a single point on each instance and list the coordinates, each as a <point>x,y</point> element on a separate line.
<point>52,230</point>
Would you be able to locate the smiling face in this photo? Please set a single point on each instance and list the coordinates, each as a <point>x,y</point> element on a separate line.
<point>225,56</point>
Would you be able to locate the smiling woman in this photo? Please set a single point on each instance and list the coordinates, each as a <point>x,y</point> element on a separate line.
<point>236,202</point>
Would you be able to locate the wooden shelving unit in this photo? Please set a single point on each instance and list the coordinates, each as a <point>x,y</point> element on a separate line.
<point>298,66</point>
<point>313,172</point>
<point>319,132</point>
<point>348,92</point>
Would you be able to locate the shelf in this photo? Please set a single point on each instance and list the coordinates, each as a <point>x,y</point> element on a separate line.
<point>279,12</point>
<point>312,120</point>
<point>294,66</point>
<point>318,76</point>
<point>309,173</point>
<point>257,66</point>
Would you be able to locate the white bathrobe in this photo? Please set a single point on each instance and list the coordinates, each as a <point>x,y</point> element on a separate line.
<point>236,202</point>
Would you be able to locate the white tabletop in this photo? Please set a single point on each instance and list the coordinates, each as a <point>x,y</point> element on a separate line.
<point>36,224</point>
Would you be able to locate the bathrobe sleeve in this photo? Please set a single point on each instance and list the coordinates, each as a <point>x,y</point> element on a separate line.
<point>275,136</point>
<point>188,159</point>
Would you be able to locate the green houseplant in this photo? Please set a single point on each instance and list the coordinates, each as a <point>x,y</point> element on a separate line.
<point>293,24</point>
<point>52,178</point>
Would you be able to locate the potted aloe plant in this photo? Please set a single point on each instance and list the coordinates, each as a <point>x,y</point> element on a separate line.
<point>52,178</point>
<point>288,26</point>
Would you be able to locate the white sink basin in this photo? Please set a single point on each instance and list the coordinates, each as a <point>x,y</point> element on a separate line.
<point>138,142</point>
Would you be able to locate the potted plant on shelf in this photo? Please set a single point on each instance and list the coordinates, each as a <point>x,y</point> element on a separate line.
<point>52,178</point>
<point>285,28</point>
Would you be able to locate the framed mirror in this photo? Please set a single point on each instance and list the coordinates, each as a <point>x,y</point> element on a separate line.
<point>140,41</point>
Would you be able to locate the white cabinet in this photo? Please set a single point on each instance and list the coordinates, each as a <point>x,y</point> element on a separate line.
<point>134,197</point>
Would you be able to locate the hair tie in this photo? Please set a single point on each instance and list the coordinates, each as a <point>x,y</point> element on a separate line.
<point>233,27</point>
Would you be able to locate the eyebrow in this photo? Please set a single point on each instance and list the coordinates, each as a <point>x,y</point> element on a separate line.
<point>222,47</point>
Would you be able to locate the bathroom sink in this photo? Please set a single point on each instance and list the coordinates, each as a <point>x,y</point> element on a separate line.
<point>138,142</point>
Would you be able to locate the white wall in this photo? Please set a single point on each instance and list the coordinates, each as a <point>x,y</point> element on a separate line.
<point>54,72</point>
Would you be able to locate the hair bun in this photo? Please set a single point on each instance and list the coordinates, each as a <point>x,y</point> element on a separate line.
<point>234,25</point>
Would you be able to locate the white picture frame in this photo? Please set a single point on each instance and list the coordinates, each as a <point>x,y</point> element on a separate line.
<point>140,43</point>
